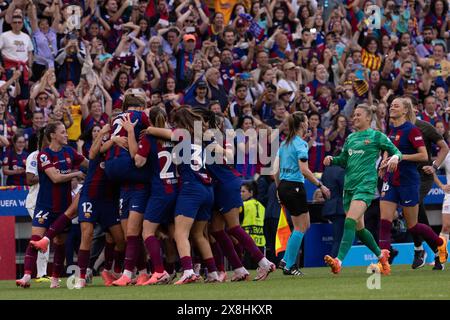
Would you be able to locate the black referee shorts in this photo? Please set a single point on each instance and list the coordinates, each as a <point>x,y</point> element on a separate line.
<point>293,197</point>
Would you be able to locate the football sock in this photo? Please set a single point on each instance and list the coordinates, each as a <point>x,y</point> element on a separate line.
<point>347,238</point>
<point>119,257</point>
<point>385,234</point>
<point>367,238</point>
<point>218,256</point>
<point>431,238</point>
<point>83,261</point>
<point>247,242</point>
<point>210,264</point>
<point>58,226</point>
<point>58,260</point>
<point>109,256</point>
<point>292,248</point>
<point>30,256</point>
<point>226,244</point>
<point>153,246</point>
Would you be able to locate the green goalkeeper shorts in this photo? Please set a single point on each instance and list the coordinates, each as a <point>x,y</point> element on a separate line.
<point>362,195</point>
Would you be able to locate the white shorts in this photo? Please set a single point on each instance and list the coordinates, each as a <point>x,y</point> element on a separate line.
<point>446,204</point>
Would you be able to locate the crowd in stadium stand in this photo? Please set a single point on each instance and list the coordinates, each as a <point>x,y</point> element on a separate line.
<point>253,61</point>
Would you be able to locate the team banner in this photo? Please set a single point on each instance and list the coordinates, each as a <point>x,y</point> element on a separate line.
<point>12,201</point>
<point>436,194</point>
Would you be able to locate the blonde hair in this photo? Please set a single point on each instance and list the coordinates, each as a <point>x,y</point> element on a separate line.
<point>409,104</point>
<point>410,114</point>
<point>369,109</point>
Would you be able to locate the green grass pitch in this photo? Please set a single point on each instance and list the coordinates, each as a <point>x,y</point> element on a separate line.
<point>318,283</point>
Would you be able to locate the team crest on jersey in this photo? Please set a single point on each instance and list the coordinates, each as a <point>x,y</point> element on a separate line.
<point>397,137</point>
<point>87,215</point>
<point>41,220</point>
<point>68,160</point>
<point>44,160</point>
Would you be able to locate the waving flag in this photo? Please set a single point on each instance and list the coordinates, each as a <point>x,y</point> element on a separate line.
<point>190,92</point>
<point>254,28</point>
<point>283,233</point>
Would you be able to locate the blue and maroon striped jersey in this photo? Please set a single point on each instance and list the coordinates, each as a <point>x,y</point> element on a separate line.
<point>117,130</point>
<point>90,122</point>
<point>316,153</point>
<point>56,197</point>
<point>222,172</point>
<point>407,138</point>
<point>159,156</point>
<point>195,170</point>
<point>96,184</point>
<point>14,161</point>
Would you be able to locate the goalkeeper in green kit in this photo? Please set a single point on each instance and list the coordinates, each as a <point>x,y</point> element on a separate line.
<point>359,155</point>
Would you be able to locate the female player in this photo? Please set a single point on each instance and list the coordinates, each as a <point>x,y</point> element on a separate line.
<point>161,205</point>
<point>445,206</point>
<point>221,242</point>
<point>55,165</point>
<point>195,197</point>
<point>358,157</point>
<point>98,203</point>
<point>227,197</point>
<point>134,186</point>
<point>402,186</point>
<point>291,165</point>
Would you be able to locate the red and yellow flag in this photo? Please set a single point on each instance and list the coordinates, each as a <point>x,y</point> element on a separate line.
<point>283,233</point>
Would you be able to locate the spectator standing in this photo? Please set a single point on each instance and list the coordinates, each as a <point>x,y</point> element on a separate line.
<point>17,53</point>
<point>14,162</point>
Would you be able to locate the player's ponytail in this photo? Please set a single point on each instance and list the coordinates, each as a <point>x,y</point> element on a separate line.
<point>410,114</point>
<point>294,123</point>
<point>51,128</point>
<point>208,116</point>
<point>185,118</point>
<point>158,117</point>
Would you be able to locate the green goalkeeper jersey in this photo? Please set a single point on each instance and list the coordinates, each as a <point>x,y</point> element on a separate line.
<point>359,155</point>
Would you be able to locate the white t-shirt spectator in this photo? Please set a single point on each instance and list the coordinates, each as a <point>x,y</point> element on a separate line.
<point>15,46</point>
<point>288,85</point>
<point>32,167</point>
